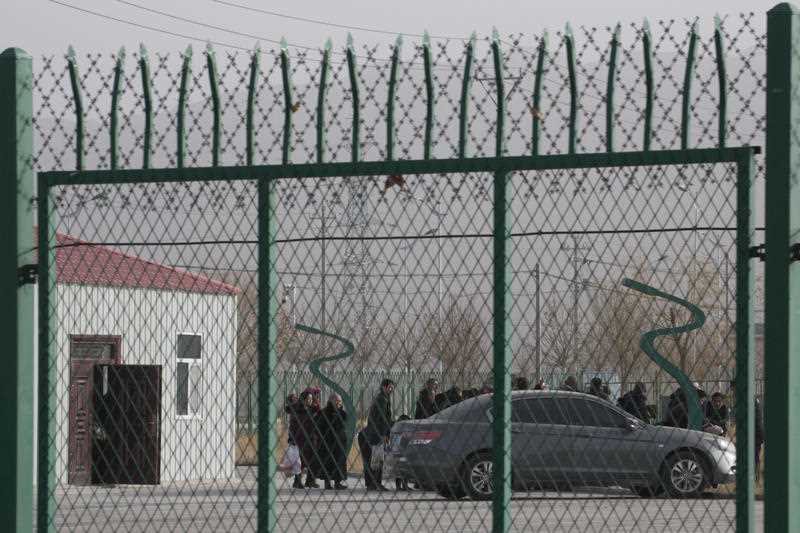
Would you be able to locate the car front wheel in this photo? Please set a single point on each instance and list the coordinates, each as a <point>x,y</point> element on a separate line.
<point>685,474</point>
<point>478,476</point>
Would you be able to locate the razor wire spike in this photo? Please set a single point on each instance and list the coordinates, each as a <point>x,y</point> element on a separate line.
<point>398,43</point>
<point>328,44</point>
<point>284,44</point>
<point>143,55</point>
<point>71,57</point>
<point>121,56</point>
<point>350,40</point>
<point>209,48</point>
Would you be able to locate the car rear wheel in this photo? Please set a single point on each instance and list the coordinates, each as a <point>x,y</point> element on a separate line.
<point>685,474</point>
<point>478,476</point>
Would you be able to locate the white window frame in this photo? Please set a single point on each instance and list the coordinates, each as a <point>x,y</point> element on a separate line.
<point>191,362</point>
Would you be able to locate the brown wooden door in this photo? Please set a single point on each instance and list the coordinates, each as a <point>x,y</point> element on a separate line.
<point>128,409</point>
<point>86,351</point>
<point>81,418</point>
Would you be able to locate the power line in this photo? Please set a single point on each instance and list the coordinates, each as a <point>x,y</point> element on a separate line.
<point>237,32</point>
<point>333,24</point>
<point>146,27</point>
<point>211,26</point>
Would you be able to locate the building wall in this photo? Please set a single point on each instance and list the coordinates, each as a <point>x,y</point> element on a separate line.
<point>192,448</point>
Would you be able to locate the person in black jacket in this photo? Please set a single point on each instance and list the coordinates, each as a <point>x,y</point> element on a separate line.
<point>333,443</point>
<point>426,404</point>
<point>379,427</point>
<point>677,414</point>
<point>304,433</point>
<point>596,389</point>
<point>716,411</point>
<point>635,402</point>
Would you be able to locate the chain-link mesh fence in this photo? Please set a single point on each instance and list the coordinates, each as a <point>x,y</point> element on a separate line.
<point>154,300</point>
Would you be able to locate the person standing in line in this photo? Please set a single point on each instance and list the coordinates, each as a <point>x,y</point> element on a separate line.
<point>716,412</point>
<point>570,384</point>
<point>635,402</point>
<point>379,427</point>
<point>293,408</point>
<point>426,404</point>
<point>596,389</point>
<point>333,443</point>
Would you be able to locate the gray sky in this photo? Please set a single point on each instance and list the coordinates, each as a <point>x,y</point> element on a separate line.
<point>42,26</point>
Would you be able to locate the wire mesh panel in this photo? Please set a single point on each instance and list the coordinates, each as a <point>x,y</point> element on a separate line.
<point>144,353</point>
<point>577,236</point>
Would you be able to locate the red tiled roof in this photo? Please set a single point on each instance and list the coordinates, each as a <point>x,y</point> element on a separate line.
<point>82,263</point>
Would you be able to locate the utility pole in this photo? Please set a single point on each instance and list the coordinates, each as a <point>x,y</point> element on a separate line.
<point>576,284</point>
<point>537,278</point>
<point>324,280</point>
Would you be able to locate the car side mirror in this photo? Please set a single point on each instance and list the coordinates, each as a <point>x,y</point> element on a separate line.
<point>630,425</point>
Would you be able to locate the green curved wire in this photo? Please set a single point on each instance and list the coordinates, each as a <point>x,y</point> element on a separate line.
<point>646,344</point>
<point>314,366</point>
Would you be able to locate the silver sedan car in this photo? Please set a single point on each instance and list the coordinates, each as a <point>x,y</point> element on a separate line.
<point>560,440</point>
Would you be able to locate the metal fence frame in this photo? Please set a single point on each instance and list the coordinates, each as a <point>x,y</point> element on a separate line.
<point>500,167</point>
<point>782,286</point>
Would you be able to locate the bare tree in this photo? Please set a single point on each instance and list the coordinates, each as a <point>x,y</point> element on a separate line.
<point>458,339</point>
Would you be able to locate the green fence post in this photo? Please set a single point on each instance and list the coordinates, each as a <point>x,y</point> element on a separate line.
<point>745,287</point>
<point>501,430</point>
<point>267,337</point>
<point>16,243</point>
<point>782,276</point>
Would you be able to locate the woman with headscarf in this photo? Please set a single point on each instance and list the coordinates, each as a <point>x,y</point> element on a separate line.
<point>303,432</point>
<point>332,449</point>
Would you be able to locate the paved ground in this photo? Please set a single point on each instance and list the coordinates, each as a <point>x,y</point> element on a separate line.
<point>231,507</point>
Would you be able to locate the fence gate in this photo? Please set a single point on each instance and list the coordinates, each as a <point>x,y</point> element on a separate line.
<point>557,298</point>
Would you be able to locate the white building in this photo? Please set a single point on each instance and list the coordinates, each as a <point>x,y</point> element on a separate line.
<point>145,370</point>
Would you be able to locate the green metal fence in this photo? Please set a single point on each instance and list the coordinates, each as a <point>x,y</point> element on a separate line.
<point>473,212</point>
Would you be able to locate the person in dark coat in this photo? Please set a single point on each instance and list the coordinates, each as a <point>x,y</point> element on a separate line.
<point>295,411</point>
<point>677,414</point>
<point>333,443</point>
<point>379,427</point>
<point>520,383</point>
<point>759,434</point>
<point>596,389</point>
<point>635,402</point>
<point>304,433</point>
<point>449,398</point>
<point>716,412</point>
<point>570,384</point>
<point>426,404</point>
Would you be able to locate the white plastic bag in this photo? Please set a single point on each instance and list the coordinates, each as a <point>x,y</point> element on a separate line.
<point>291,465</point>
<point>376,461</point>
